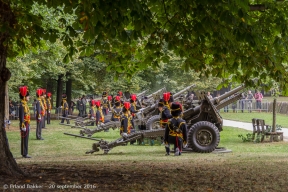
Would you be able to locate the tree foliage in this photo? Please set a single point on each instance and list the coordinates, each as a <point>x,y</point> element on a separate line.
<point>216,38</point>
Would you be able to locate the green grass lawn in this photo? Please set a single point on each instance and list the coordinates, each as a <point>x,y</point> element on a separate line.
<point>59,147</point>
<point>247,117</point>
<point>61,159</point>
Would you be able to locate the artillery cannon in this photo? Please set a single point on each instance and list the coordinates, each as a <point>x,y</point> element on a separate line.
<point>107,146</point>
<point>204,121</point>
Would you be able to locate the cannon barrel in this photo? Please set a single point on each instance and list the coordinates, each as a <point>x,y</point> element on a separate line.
<point>83,137</point>
<point>176,95</point>
<point>187,114</point>
<point>217,100</point>
<point>141,94</point>
<point>156,92</point>
<point>148,109</point>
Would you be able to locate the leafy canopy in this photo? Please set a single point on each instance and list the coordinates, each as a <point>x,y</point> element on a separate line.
<point>216,37</point>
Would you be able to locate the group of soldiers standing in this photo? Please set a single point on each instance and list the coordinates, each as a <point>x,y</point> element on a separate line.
<point>43,111</point>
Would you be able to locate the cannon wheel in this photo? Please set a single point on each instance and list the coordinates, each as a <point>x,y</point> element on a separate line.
<point>153,123</point>
<point>203,137</point>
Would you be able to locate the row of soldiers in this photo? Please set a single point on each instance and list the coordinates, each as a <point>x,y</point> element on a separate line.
<point>170,117</point>
<point>43,111</point>
<point>170,113</point>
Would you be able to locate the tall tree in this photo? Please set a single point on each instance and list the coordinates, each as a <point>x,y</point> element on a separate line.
<point>213,37</point>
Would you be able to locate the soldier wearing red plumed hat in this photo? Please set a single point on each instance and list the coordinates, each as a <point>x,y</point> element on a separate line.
<point>43,98</point>
<point>165,113</point>
<point>176,130</point>
<point>24,117</point>
<point>126,120</point>
<point>49,107</point>
<point>117,109</point>
<point>133,108</point>
<point>92,111</point>
<point>40,112</point>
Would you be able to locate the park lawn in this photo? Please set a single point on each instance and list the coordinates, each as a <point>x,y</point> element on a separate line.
<point>61,160</point>
<point>281,119</point>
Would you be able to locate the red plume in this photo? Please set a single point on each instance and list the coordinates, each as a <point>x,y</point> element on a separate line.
<point>133,97</point>
<point>166,96</point>
<point>109,97</point>
<point>44,91</point>
<point>120,93</point>
<point>98,103</point>
<point>49,94</point>
<point>39,91</point>
<point>23,90</point>
<point>127,105</point>
<point>117,98</point>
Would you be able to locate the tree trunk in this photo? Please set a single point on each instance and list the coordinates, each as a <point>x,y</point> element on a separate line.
<point>274,115</point>
<point>6,102</point>
<point>69,90</point>
<point>8,165</point>
<point>59,90</point>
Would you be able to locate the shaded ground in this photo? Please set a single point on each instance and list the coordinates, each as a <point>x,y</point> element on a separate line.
<point>215,174</point>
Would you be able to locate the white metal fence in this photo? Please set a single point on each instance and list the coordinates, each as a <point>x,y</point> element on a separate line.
<point>243,105</point>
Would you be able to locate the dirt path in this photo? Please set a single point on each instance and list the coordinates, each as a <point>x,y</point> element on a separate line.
<point>205,175</point>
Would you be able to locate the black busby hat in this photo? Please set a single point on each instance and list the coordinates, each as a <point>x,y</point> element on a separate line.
<point>176,109</point>
<point>104,94</point>
<point>64,96</point>
<point>161,103</point>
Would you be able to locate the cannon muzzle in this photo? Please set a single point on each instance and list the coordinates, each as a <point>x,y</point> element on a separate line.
<point>141,94</point>
<point>217,100</point>
<point>176,95</point>
<point>159,92</point>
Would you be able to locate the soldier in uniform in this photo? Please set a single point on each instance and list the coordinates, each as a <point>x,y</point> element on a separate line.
<point>133,108</point>
<point>117,110</point>
<point>80,107</point>
<point>39,114</point>
<point>99,114</point>
<point>49,107</point>
<point>105,104</point>
<point>92,111</point>
<point>176,130</point>
<point>65,109</point>
<point>43,98</point>
<point>24,117</point>
<point>165,113</point>
<point>168,99</point>
<point>126,121</point>
<point>84,101</point>
<point>109,98</point>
